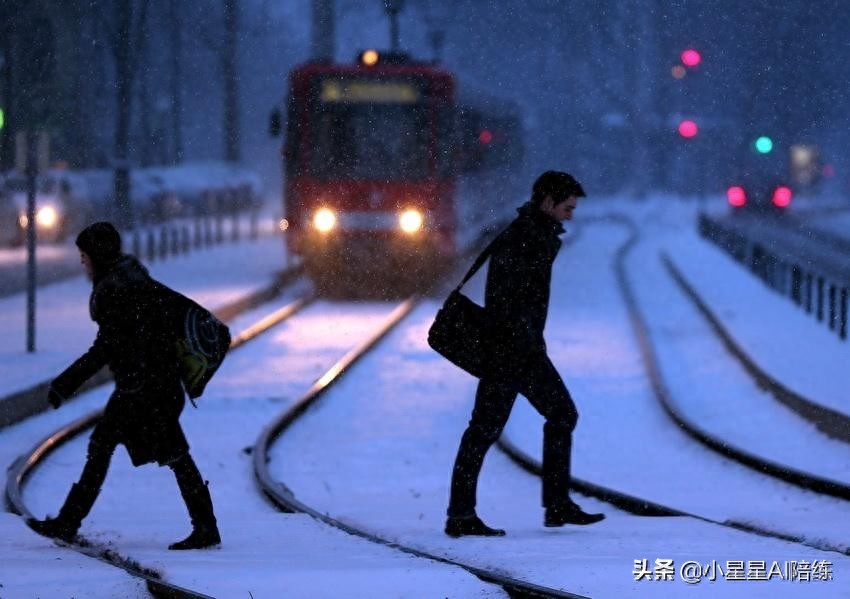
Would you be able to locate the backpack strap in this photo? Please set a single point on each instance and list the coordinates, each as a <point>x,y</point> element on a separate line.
<point>480,260</point>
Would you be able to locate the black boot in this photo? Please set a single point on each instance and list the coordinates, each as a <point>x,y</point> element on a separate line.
<point>470,526</point>
<point>76,507</point>
<point>568,512</point>
<point>199,504</point>
<point>201,537</point>
<point>56,528</point>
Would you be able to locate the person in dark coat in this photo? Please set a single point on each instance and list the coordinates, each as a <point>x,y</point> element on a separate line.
<point>143,411</point>
<point>517,297</point>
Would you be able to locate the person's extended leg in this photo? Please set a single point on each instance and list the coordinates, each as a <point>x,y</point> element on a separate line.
<point>546,391</point>
<point>493,402</point>
<point>199,504</point>
<point>82,495</point>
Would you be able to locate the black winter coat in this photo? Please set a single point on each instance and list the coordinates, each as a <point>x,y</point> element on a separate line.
<point>136,343</point>
<point>519,278</point>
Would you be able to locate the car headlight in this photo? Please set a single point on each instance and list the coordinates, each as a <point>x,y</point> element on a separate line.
<point>47,217</point>
<point>411,221</point>
<point>324,220</point>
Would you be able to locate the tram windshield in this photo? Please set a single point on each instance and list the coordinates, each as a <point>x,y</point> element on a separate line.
<point>369,130</point>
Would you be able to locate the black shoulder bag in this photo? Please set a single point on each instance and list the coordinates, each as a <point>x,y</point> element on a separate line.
<point>463,331</point>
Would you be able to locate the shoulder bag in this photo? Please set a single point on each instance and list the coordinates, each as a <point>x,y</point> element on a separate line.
<point>463,331</point>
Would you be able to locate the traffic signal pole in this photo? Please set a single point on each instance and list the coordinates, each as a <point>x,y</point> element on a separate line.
<point>31,173</point>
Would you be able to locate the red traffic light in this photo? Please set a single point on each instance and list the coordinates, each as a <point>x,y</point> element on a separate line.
<point>691,58</point>
<point>688,129</point>
<point>736,196</point>
<point>782,197</point>
<point>485,136</point>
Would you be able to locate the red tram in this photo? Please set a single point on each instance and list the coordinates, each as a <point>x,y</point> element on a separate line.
<point>371,158</point>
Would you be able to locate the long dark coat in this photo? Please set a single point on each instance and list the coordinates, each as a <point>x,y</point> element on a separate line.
<point>136,343</point>
<point>519,278</point>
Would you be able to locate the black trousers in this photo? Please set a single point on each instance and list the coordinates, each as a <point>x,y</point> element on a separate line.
<point>100,450</point>
<point>541,384</point>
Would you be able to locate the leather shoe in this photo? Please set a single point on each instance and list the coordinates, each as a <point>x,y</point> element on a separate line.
<point>470,526</point>
<point>569,512</point>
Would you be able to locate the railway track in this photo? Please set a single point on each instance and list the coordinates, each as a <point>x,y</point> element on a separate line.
<point>275,490</point>
<point>283,497</point>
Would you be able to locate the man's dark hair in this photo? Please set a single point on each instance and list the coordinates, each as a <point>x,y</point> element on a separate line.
<point>558,185</point>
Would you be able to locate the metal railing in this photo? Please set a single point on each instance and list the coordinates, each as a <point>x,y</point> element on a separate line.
<point>174,238</point>
<point>819,295</point>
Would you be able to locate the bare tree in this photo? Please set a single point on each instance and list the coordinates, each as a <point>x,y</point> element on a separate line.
<point>175,78</point>
<point>231,82</point>
<point>123,23</point>
<point>7,27</point>
<point>222,40</point>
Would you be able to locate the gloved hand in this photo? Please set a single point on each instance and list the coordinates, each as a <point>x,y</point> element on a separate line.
<point>54,398</point>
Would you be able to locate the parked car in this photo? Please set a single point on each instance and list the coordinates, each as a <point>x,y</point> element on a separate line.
<point>60,203</point>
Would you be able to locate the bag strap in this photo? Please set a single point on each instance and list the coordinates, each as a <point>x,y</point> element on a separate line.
<point>479,261</point>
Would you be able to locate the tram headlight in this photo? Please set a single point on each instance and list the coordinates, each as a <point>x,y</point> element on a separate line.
<point>324,220</point>
<point>411,221</point>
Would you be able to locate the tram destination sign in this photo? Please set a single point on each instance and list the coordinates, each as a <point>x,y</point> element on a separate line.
<point>349,90</point>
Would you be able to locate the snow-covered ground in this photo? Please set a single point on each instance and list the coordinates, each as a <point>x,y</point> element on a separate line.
<point>377,452</point>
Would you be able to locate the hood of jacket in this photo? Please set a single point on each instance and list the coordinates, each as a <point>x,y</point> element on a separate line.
<point>126,269</point>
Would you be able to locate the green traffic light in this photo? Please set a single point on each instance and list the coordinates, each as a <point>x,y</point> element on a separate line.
<point>764,145</point>
<point>2,119</point>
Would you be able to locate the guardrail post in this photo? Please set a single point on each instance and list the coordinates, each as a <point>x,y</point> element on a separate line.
<point>234,230</point>
<point>151,253</point>
<point>163,243</point>
<point>219,228</point>
<point>757,261</point>
<point>842,330</point>
<point>832,308</point>
<point>779,275</point>
<point>770,271</point>
<point>137,243</point>
<point>796,285</point>
<point>809,290</point>
<point>820,299</point>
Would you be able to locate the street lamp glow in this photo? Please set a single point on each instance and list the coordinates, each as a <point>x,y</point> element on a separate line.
<point>370,58</point>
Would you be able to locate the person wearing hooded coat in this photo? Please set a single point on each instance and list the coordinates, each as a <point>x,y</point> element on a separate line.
<point>144,409</point>
<point>517,297</point>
